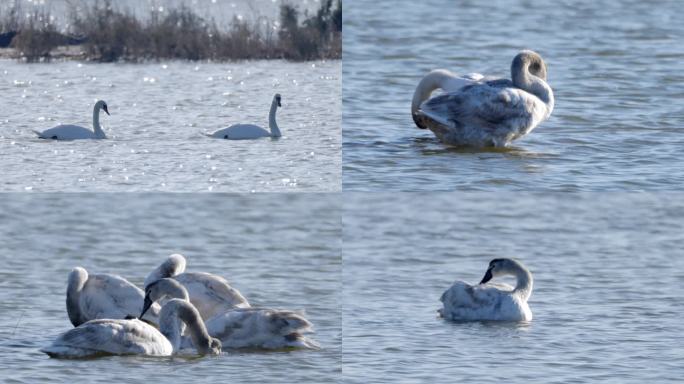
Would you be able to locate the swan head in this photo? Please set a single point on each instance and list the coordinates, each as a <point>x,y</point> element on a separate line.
<point>101,104</point>
<point>276,99</point>
<point>289,322</point>
<point>172,266</point>
<point>530,60</point>
<point>499,267</point>
<point>163,288</point>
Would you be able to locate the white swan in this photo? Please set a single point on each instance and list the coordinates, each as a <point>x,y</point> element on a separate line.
<point>103,296</point>
<point>210,294</point>
<point>250,131</point>
<point>465,302</point>
<point>483,111</point>
<point>243,327</point>
<point>75,132</point>
<point>126,337</point>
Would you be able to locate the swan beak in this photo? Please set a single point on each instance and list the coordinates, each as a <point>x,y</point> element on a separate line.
<point>488,276</point>
<point>417,121</point>
<point>146,306</point>
<point>105,109</point>
<point>280,105</point>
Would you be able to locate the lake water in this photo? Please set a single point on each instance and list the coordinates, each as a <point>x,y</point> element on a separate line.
<point>279,250</point>
<point>615,67</point>
<point>159,112</point>
<point>607,291</point>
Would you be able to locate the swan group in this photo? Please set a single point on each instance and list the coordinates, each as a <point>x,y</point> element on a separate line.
<point>200,310</point>
<point>491,301</point>
<point>480,111</point>
<point>234,132</point>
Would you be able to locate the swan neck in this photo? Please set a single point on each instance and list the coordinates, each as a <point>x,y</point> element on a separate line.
<point>523,79</point>
<point>430,83</point>
<point>96,122</point>
<point>196,328</point>
<point>77,281</point>
<point>272,125</point>
<point>524,283</point>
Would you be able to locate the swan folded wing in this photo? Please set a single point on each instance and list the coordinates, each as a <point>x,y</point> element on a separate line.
<point>109,336</point>
<point>67,132</point>
<point>113,297</point>
<point>211,294</point>
<point>489,105</point>
<point>463,301</point>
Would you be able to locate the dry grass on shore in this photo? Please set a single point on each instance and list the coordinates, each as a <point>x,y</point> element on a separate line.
<point>107,34</point>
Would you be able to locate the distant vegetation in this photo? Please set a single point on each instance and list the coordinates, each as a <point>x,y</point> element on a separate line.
<point>104,33</point>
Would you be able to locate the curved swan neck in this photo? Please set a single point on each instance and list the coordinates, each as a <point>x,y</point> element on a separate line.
<point>524,282</point>
<point>96,122</point>
<point>195,326</point>
<point>272,125</point>
<point>178,312</point>
<point>523,79</point>
<point>430,83</point>
<point>77,280</point>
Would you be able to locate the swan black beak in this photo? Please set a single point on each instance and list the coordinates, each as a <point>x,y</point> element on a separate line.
<point>280,105</point>
<point>146,306</point>
<point>105,109</point>
<point>488,276</point>
<point>417,121</point>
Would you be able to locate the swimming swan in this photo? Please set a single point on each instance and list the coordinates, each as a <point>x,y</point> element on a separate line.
<point>210,294</point>
<point>75,132</point>
<point>243,327</point>
<point>485,111</point>
<point>250,131</point>
<point>465,302</point>
<point>103,296</point>
<point>135,337</point>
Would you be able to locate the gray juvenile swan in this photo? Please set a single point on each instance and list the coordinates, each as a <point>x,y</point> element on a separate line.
<point>209,293</point>
<point>103,296</point>
<point>243,327</point>
<point>75,132</point>
<point>135,337</point>
<point>490,301</point>
<point>251,131</point>
<point>482,111</point>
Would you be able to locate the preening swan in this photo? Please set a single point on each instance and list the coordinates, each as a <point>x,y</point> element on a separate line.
<point>210,294</point>
<point>103,296</point>
<point>465,302</point>
<point>250,131</point>
<point>75,132</point>
<point>243,327</point>
<point>126,337</point>
<point>482,111</point>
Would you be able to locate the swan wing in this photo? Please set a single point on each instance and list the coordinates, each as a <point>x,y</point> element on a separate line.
<point>261,328</point>
<point>110,336</point>
<point>211,294</point>
<point>463,301</point>
<point>108,296</point>
<point>241,132</point>
<point>67,132</point>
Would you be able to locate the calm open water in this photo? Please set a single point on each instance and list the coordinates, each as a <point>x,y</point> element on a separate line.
<point>615,67</point>
<point>280,251</point>
<point>158,114</point>
<point>607,293</point>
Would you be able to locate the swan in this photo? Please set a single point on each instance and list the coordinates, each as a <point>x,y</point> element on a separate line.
<point>75,132</point>
<point>103,296</point>
<point>243,327</point>
<point>135,337</point>
<point>465,302</point>
<point>209,293</point>
<point>250,131</point>
<point>485,111</point>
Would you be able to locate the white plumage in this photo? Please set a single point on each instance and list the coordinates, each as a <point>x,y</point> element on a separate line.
<point>251,131</point>
<point>75,132</point>
<point>465,302</point>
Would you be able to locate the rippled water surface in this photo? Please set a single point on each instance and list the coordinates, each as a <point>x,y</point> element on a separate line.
<point>607,291</point>
<point>280,251</point>
<point>158,114</point>
<point>615,67</point>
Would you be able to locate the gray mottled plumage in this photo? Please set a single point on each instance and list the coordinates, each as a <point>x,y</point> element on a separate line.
<point>491,112</point>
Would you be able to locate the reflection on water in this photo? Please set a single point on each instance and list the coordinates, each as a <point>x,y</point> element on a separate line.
<point>613,66</point>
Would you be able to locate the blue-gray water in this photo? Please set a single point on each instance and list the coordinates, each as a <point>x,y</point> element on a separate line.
<point>615,66</point>
<point>280,251</point>
<point>607,299</point>
<point>159,112</point>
